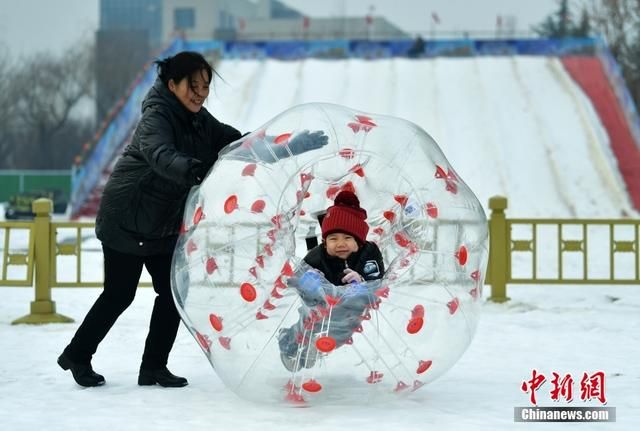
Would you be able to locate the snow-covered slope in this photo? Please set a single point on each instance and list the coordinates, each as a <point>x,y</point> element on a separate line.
<point>515,126</point>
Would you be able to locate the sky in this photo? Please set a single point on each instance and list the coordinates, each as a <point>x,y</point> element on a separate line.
<point>28,27</point>
<point>57,24</point>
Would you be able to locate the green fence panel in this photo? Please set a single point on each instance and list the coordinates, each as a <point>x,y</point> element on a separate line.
<point>13,182</point>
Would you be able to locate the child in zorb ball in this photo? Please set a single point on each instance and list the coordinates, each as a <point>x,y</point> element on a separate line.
<point>337,289</point>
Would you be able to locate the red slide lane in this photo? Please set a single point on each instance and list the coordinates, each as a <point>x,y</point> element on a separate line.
<point>590,75</point>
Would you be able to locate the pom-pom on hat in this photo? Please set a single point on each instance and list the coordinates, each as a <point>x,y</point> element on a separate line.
<point>346,216</point>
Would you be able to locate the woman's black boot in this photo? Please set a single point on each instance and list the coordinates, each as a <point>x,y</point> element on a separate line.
<point>161,376</point>
<point>83,374</point>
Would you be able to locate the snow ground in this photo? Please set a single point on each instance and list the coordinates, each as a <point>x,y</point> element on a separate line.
<point>566,329</point>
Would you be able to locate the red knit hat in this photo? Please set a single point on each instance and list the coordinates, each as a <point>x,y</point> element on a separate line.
<point>346,216</point>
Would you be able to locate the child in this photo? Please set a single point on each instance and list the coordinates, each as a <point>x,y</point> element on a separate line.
<point>348,263</point>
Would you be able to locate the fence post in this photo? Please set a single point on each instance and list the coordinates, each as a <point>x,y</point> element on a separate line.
<point>498,249</point>
<point>43,309</point>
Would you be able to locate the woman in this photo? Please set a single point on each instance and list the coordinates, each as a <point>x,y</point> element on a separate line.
<point>175,144</point>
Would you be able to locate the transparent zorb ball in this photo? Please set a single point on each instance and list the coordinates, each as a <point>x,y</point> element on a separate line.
<point>238,273</point>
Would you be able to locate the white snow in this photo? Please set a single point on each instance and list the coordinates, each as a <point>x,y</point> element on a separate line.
<point>556,328</point>
<point>514,126</point>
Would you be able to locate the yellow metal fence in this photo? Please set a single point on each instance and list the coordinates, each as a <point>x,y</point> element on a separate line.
<point>601,251</point>
<point>604,251</point>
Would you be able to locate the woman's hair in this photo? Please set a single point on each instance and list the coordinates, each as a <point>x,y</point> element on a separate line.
<point>183,65</point>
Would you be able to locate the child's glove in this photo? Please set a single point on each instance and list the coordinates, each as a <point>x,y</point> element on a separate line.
<point>351,276</point>
<point>310,288</point>
<point>310,280</point>
<point>355,290</point>
<point>356,297</point>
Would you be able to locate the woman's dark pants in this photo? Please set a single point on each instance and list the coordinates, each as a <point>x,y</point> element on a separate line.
<point>121,276</point>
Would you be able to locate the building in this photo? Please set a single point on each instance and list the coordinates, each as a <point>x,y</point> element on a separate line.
<point>132,31</point>
<point>133,15</point>
<point>129,32</point>
<point>264,20</point>
<point>206,19</point>
<point>233,20</point>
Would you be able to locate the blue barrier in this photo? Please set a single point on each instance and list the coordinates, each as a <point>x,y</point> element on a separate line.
<point>297,49</point>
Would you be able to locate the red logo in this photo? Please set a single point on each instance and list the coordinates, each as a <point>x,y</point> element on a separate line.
<point>592,386</point>
<point>533,385</point>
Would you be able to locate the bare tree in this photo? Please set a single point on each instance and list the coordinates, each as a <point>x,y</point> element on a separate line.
<point>561,23</point>
<point>6,108</point>
<point>618,21</point>
<point>45,91</point>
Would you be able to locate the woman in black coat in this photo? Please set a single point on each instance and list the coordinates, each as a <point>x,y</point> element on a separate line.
<point>175,144</point>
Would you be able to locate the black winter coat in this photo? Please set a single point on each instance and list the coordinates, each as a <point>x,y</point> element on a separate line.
<point>143,201</point>
<point>367,262</point>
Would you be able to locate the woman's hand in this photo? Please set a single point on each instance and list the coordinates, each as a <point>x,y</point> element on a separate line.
<point>308,141</point>
<point>351,276</point>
